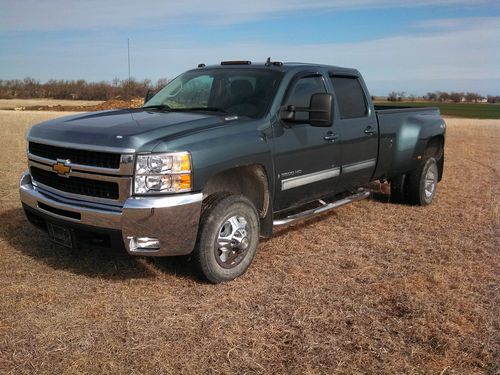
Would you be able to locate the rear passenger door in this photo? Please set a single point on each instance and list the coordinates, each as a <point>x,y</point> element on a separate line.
<point>358,131</point>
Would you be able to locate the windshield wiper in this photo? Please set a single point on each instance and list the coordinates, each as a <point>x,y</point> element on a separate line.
<point>157,106</point>
<point>208,109</point>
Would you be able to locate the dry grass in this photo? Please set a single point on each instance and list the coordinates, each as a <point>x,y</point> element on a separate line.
<point>370,288</point>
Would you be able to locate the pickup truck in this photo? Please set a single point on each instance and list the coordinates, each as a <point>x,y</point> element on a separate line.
<point>221,155</point>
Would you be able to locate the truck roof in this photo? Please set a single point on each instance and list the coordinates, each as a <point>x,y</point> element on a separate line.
<point>279,66</point>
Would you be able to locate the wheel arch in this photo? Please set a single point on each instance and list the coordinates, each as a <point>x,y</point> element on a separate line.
<point>435,148</point>
<point>251,181</point>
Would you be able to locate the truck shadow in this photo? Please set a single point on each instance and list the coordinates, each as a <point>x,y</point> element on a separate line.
<point>91,261</point>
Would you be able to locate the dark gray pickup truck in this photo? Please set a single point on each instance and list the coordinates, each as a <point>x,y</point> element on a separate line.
<point>221,155</point>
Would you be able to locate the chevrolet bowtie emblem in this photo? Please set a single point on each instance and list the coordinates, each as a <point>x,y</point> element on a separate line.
<point>61,168</point>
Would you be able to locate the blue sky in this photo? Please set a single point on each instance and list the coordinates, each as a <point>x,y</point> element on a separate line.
<point>416,46</point>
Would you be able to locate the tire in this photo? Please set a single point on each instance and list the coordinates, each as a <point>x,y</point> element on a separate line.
<point>227,238</point>
<point>422,183</point>
<point>398,189</point>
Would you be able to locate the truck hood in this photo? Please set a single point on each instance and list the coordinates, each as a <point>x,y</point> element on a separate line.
<point>130,129</point>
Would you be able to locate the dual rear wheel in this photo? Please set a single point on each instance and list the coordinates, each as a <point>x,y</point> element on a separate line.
<point>417,187</point>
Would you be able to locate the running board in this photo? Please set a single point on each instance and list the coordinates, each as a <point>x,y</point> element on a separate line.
<point>324,208</point>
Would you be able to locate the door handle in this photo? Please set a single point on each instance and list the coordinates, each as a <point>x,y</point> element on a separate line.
<point>370,130</point>
<point>330,137</point>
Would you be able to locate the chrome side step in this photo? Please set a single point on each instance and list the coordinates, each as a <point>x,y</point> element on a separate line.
<point>326,207</point>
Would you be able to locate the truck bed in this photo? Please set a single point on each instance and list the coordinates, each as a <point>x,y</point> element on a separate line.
<point>402,132</point>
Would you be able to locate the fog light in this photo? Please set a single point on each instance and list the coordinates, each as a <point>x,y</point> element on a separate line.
<point>143,244</point>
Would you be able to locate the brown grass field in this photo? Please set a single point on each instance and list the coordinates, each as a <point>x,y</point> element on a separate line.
<point>371,288</point>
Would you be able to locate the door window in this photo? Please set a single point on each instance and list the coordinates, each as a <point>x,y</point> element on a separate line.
<point>301,92</point>
<point>350,97</point>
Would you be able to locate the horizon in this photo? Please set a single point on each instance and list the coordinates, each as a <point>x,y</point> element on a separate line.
<point>435,45</point>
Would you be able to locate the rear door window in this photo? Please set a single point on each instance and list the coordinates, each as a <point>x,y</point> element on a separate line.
<point>350,97</point>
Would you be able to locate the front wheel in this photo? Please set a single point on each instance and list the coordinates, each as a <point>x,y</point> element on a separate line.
<point>422,183</point>
<point>227,238</point>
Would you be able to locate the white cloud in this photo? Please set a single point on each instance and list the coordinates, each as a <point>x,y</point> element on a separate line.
<point>452,54</point>
<point>423,60</point>
<point>459,23</point>
<point>104,14</point>
<point>446,54</point>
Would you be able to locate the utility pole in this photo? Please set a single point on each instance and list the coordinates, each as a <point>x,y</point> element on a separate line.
<point>128,54</point>
<point>128,60</point>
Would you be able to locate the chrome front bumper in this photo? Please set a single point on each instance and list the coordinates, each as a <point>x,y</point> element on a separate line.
<point>173,220</point>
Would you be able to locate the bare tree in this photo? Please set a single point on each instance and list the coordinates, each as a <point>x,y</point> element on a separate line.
<point>393,96</point>
<point>443,96</point>
<point>433,96</point>
<point>456,96</point>
<point>161,83</point>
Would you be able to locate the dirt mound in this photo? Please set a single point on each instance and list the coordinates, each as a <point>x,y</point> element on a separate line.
<point>109,104</point>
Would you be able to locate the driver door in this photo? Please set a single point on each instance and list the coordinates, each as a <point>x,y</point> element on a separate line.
<point>307,158</point>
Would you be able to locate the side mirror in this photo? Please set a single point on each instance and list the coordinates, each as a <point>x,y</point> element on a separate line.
<point>320,110</point>
<point>148,96</point>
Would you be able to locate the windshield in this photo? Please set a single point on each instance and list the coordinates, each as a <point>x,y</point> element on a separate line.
<point>240,92</point>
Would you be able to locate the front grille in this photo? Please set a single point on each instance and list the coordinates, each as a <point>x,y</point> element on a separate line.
<point>84,157</point>
<point>76,185</point>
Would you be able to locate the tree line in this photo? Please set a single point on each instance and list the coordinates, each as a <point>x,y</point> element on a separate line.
<point>77,89</point>
<point>29,88</point>
<point>443,96</point>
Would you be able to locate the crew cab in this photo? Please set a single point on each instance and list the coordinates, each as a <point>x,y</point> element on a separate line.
<point>221,155</point>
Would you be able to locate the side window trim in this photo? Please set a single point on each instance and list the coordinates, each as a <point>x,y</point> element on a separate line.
<point>333,74</point>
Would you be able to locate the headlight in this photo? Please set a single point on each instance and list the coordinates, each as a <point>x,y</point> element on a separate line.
<point>162,173</point>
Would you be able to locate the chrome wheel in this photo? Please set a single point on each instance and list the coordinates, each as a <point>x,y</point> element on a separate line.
<point>430,182</point>
<point>232,242</point>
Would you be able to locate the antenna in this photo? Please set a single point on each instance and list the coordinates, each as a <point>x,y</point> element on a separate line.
<point>128,54</point>
<point>128,61</point>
